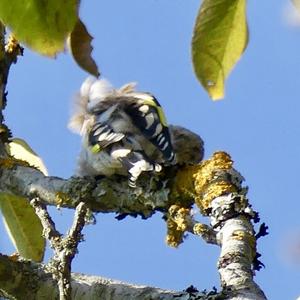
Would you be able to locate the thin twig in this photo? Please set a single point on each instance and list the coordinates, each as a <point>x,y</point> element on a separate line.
<point>205,231</point>
<point>50,232</point>
<point>64,248</point>
<point>79,222</point>
<point>70,248</point>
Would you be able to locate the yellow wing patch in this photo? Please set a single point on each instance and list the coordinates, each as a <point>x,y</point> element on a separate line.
<point>151,102</point>
<point>96,149</point>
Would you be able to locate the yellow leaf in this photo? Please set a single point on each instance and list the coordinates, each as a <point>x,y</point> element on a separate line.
<point>19,149</point>
<point>23,226</point>
<point>219,39</point>
<point>81,48</point>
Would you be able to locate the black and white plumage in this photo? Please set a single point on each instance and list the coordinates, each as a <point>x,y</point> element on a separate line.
<point>124,131</point>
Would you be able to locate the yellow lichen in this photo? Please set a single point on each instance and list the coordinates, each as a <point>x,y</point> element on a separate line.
<point>10,162</point>
<point>6,163</point>
<point>5,133</point>
<point>14,256</point>
<point>12,46</point>
<point>213,191</point>
<point>203,183</point>
<point>174,237</point>
<point>200,229</point>
<point>207,173</point>
<point>178,221</point>
<point>239,235</point>
<point>61,198</point>
<point>248,237</point>
<point>184,182</point>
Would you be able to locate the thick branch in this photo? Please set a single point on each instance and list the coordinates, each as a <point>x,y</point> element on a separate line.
<point>218,193</point>
<point>223,199</point>
<point>27,280</point>
<point>238,249</point>
<point>103,195</point>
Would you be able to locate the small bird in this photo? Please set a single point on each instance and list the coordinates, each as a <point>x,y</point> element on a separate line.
<point>123,131</point>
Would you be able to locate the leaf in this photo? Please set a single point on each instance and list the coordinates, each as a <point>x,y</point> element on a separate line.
<point>23,226</point>
<point>81,48</point>
<point>219,39</point>
<point>21,150</point>
<point>42,25</point>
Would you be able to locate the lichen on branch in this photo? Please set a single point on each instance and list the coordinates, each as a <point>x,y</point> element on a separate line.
<point>213,185</point>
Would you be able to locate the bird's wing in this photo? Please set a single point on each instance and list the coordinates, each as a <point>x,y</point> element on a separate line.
<point>147,115</point>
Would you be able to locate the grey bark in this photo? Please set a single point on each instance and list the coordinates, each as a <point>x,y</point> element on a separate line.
<point>27,280</point>
<point>100,196</point>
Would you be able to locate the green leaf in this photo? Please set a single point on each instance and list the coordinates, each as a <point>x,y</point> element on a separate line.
<point>81,48</point>
<point>23,226</point>
<point>41,25</point>
<point>220,37</point>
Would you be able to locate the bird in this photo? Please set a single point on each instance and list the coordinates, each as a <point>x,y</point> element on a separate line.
<point>124,131</point>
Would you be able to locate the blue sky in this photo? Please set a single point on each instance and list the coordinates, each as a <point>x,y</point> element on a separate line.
<point>258,123</point>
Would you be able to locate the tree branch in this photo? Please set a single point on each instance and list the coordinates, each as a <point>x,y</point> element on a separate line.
<point>105,195</point>
<point>3,71</point>
<point>8,56</point>
<point>64,248</point>
<point>50,232</point>
<point>213,185</point>
<point>23,279</point>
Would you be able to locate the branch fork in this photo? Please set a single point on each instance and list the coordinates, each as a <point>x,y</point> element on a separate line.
<point>64,248</point>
